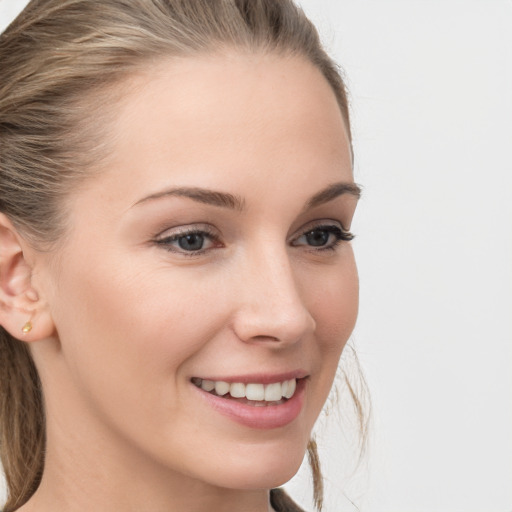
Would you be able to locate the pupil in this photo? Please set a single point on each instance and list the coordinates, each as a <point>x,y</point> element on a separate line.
<point>317,238</point>
<point>193,242</point>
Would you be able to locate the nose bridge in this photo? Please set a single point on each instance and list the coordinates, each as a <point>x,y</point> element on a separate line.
<point>271,306</point>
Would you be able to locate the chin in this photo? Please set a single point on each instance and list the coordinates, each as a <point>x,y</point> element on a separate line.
<point>270,468</point>
<point>263,478</point>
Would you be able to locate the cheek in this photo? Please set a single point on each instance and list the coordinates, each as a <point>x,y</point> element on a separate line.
<point>334,306</point>
<point>331,294</point>
<point>125,354</point>
<point>130,323</point>
<point>153,316</point>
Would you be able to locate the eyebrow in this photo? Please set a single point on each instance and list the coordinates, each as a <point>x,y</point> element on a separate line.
<point>234,202</point>
<point>201,195</point>
<point>332,192</point>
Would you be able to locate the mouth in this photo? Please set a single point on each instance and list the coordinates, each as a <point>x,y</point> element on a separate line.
<point>254,394</point>
<point>258,401</point>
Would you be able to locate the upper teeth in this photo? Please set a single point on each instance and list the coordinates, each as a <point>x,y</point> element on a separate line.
<point>252,391</point>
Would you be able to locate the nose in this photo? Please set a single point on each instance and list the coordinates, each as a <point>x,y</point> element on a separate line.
<point>270,307</point>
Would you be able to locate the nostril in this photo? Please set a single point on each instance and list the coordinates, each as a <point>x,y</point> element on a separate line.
<point>262,337</point>
<point>273,324</point>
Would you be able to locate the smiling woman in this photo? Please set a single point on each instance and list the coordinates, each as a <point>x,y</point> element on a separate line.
<point>177,280</point>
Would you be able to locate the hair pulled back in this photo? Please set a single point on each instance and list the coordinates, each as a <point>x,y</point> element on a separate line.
<point>60,61</point>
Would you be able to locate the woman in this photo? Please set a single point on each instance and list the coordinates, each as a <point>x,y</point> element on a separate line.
<point>177,280</point>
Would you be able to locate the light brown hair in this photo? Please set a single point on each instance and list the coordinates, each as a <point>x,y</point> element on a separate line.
<point>62,62</point>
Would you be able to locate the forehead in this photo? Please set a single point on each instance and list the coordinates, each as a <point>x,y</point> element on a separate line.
<point>227,120</point>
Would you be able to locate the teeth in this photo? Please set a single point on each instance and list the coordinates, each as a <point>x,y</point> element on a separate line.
<point>208,385</point>
<point>290,388</point>
<point>273,392</point>
<point>221,388</point>
<point>253,391</point>
<point>237,390</point>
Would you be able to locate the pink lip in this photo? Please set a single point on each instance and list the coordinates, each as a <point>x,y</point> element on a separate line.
<point>261,378</point>
<point>265,417</point>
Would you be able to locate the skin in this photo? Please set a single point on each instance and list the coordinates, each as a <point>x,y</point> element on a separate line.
<point>123,322</point>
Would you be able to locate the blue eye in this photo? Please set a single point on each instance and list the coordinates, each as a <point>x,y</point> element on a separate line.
<point>317,237</point>
<point>195,242</point>
<point>323,237</point>
<point>189,243</point>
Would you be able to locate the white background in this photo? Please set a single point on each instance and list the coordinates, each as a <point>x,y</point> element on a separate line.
<point>431,92</point>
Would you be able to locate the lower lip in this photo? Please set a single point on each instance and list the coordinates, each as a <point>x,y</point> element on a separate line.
<point>263,417</point>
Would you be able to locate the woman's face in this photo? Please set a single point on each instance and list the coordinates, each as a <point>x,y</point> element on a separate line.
<point>213,248</point>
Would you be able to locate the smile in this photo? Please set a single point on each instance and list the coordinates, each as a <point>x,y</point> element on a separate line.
<point>257,401</point>
<point>255,394</point>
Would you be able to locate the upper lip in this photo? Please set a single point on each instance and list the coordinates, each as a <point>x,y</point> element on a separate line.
<point>260,378</point>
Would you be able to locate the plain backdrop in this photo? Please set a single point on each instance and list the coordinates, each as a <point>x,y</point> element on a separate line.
<point>431,98</point>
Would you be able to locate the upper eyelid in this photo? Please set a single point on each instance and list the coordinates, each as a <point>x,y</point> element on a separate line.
<point>318,224</point>
<point>345,234</point>
<point>212,231</point>
<point>185,230</point>
<point>208,232</point>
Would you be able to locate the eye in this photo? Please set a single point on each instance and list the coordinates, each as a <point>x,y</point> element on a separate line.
<point>189,242</point>
<point>326,236</point>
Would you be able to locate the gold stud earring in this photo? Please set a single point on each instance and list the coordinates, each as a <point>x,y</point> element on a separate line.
<point>27,327</point>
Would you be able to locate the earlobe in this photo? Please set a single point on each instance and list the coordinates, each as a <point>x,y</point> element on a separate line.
<point>22,311</point>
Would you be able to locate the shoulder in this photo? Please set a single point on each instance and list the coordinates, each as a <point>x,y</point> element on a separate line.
<point>281,502</point>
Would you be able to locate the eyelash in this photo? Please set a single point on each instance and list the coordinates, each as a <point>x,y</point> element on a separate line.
<point>167,241</point>
<point>340,235</point>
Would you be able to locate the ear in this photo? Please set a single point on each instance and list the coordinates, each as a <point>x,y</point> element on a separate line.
<point>23,312</point>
